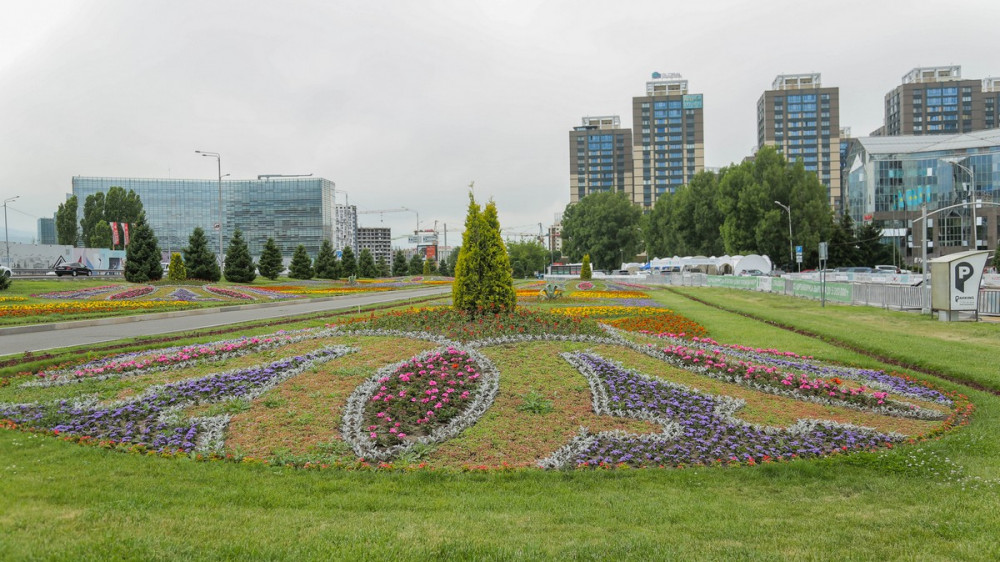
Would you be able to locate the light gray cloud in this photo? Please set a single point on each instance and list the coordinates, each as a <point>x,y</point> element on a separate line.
<point>404,103</point>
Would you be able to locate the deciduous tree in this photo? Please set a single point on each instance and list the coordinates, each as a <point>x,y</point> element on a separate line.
<point>604,225</point>
<point>66,227</point>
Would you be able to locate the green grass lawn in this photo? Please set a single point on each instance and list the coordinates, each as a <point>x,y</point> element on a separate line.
<point>932,500</point>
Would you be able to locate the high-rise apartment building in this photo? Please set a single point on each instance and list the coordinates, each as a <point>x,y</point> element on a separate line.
<point>600,157</point>
<point>937,100</point>
<point>345,229</point>
<point>378,241</point>
<point>668,133</point>
<point>801,119</point>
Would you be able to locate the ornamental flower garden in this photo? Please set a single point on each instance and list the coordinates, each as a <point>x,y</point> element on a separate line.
<point>624,383</point>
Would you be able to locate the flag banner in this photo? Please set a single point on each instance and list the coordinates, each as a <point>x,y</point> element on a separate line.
<point>125,232</point>
<point>114,233</point>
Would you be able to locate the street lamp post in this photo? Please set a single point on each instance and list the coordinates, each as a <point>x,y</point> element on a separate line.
<point>218,160</point>
<point>5,237</point>
<point>791,251</point>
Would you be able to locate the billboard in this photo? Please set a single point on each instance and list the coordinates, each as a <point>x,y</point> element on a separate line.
<point>692,101</point>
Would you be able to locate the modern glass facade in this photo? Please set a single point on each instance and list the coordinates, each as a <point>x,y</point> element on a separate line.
<point>47,230</point>
<point>291,210</point>
<point>890,178</point>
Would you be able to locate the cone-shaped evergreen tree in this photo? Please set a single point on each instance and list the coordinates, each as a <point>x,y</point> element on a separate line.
<point>497,285</point>
<point>239,264</point>
<point>381,267</point>
<point>467,268</point>
<point>416,265</point>
<point>348,263</point>
<point>176,270</point>
<point>366,264</point>
<point>399,265</point>
<point>326,265</point>
<point>483,282</point>
<point>142,255</point>
<point>200,262</point>
<point>443,268</point>
<point>301,266</point>
<point>270,263</point>
<point>585,271</point>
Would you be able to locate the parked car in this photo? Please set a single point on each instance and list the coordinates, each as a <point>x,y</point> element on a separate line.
<point>751,273</point>
<point>5,271</point>
<point>887,269</point>
<point>73,269</point>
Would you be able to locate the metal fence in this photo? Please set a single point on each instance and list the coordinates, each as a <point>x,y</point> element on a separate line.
<point>880,294</point>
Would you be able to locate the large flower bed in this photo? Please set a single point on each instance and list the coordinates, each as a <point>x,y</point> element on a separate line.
<point>228,293</point>
<point>144,362</point>
<point>772,370</point>
<point>404,408</point>
<point>699,429</point>
<point>447,322</point>
<point>594,294</point>
<point>148,421</point>
<point>79,293</point>
<point>424,400</point>
<point>87,307</point>
<point>132,293</point>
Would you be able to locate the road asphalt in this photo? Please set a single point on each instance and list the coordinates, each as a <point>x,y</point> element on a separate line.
<point>40,337</point>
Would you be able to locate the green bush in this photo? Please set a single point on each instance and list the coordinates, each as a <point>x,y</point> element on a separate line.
<point>176,270</point>
<point>585,271</point>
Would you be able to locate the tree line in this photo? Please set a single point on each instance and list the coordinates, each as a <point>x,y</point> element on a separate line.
<point>735,211</point>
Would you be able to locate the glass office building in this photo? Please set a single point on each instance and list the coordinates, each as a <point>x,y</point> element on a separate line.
<point>890,178</point>
<point>291,210</point>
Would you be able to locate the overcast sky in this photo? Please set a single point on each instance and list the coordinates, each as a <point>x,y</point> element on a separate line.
<point>403,103</point>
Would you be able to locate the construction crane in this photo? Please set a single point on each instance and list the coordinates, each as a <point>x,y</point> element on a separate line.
<point>397,210</point>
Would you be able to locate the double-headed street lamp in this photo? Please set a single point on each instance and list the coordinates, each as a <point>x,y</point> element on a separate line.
<point>218,160</point>
<point>791,252</point>
<point>5,237</point>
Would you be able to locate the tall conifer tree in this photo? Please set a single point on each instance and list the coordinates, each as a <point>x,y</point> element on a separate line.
<point>270,263</point>
<point>142,255</point>
<point>239,264</point>
<point>200,262</point>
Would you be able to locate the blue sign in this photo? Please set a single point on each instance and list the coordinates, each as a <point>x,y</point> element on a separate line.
<point>798,249</point>
<point>692,101</point>
<point>339,254</point>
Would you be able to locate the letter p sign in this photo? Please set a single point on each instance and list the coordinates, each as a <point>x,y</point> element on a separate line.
<point>963,272</point>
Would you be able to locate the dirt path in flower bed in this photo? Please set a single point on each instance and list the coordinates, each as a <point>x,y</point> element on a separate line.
<point>304,413</point>
<point>769,409</point>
